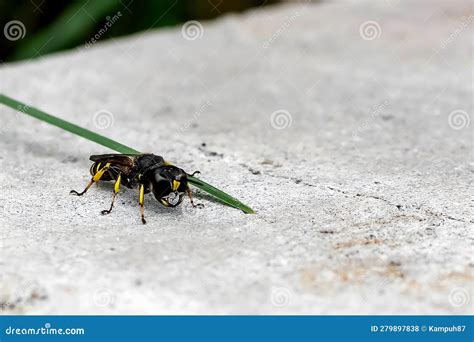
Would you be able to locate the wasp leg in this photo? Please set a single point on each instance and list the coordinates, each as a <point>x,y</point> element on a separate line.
<point>97,176</point>
<point>116,190</point>
<point>141,201</point>
<point>190,195</point>
<point>74,192</point>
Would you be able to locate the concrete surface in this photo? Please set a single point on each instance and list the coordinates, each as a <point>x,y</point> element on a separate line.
<point>346,125</point>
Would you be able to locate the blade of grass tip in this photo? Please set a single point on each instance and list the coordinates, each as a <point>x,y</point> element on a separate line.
<point>114,145</point>
<point>222,196</point>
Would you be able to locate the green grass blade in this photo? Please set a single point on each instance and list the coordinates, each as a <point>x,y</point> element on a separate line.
<point>70,28</point>
<point>114,145</point>
<point>222,196</point>
<point>85,133</point>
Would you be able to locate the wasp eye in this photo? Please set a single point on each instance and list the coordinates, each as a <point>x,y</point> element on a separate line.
<point>160,187</point>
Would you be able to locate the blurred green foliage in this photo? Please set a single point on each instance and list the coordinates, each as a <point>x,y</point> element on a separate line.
<point>51,26</point>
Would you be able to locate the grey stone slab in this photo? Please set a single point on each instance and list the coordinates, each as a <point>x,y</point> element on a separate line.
<point>346,125</point>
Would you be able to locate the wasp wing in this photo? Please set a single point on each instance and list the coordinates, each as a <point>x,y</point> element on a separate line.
<point>122,164</point>
<point>117,159</point>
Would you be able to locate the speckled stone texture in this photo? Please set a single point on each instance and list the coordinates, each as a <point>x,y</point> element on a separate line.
<point>346,125</point>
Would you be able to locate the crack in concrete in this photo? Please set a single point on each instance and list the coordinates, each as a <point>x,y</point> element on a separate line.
<point>418,210</point>
<point>293,179</point>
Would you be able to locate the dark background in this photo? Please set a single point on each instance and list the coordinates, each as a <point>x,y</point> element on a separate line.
<point>58,25</point>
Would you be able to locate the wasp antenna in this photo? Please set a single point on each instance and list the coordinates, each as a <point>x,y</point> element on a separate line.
<point>195,173</point>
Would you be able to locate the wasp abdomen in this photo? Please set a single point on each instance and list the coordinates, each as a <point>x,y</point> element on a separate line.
<point>97,166</point>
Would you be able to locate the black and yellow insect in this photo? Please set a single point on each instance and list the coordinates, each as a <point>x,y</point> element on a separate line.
<point>147,172</point>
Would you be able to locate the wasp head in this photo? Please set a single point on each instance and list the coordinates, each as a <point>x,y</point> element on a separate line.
<point>169,184</point>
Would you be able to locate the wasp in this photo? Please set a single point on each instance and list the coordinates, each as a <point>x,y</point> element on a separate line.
<point>147,172</point>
